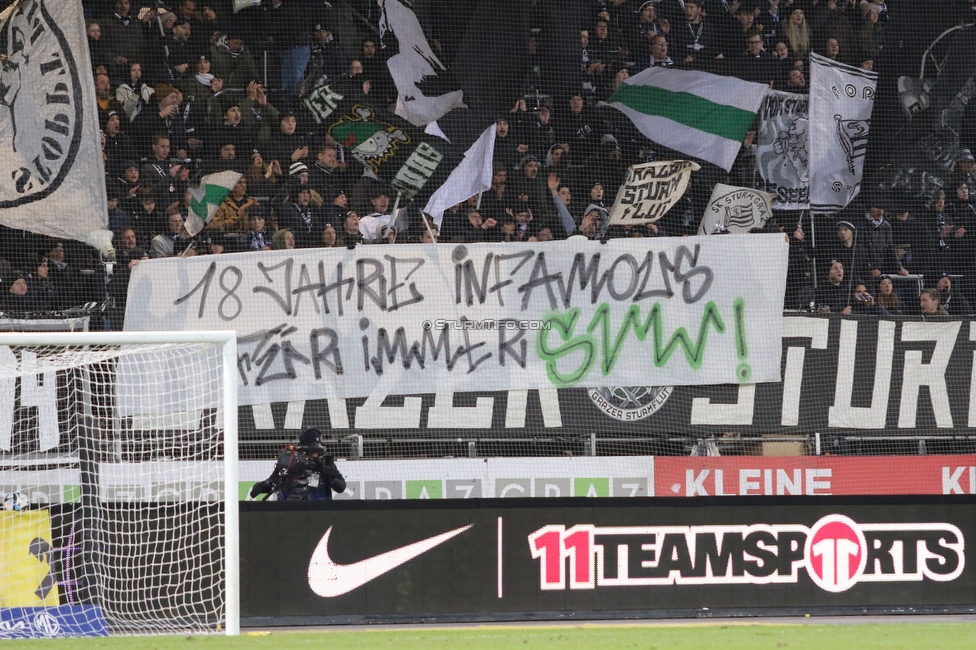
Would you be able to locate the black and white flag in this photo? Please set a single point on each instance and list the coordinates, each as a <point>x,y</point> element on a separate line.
<point>414,62</point>
<point>51,164</point>
<point>782,149</point>
<point>841,102</point>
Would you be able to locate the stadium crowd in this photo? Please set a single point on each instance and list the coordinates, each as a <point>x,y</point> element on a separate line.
<point>187,88</point>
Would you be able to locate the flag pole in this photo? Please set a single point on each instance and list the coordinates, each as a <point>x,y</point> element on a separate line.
<point>396,204</point>
<point>427,226</point>
<point>393,218</point>
<point>478,204</point>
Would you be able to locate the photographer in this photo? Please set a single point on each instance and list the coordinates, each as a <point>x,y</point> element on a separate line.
<point>302,473</point>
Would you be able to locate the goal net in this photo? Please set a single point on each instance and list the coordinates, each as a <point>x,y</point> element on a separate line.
<point>118,462</point>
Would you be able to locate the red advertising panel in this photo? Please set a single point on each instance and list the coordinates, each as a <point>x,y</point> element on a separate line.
<point>691,476</point>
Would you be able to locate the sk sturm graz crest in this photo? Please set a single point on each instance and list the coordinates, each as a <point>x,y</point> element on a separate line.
<point>40,105</point>
<point>853,136</point>
<point>630,403</point>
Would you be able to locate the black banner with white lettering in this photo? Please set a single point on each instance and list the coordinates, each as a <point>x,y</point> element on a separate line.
<point>841,375</point>
<point>491,559</point>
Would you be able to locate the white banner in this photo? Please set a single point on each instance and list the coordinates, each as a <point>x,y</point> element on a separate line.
<point>841,101</point>
<point>782,152</point>
<point>735,209</point>
<point>651,190</point>
<point>381,320</point>
<point>51,164</point>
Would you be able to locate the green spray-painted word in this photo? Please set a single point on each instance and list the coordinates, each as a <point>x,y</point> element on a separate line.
<point>607,347</point>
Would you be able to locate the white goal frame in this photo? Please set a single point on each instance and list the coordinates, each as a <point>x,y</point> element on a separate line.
<point>228,339</point>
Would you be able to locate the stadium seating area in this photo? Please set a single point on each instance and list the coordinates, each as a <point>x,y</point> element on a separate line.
<point>187,88</point>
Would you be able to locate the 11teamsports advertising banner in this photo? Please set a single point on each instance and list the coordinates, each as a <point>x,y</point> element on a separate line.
<point>375,320</point>
<point>622,557</point>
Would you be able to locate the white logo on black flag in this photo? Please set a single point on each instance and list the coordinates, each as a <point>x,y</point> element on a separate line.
<point>841,102</point>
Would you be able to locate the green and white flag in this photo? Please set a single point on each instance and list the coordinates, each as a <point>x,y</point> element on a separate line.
<point>699,114</point>
<point>207,197</point>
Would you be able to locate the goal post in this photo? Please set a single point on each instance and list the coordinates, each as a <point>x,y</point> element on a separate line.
<point>126,448</point>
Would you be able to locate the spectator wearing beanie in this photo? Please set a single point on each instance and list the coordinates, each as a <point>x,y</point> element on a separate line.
<point>118,146</point>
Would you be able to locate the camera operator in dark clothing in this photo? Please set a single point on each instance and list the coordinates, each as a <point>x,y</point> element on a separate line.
<point>303,472</point>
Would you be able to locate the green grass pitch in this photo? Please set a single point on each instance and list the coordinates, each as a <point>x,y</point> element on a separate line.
<point>712,635</point>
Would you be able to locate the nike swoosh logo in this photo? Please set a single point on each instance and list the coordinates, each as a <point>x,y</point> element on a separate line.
<point>328,579</point>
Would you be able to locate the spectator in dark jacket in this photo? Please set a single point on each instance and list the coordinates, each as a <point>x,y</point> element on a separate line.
<point>125,34</point>
<point>301,218</point>
<point>834,295</point>
<point>99,49</point>
<point>877,244</point>
<point>954,302</point>
<point>963,231</point>
<point>915,243</point>
<point>328,58</point>
<point>118,146</point>
<point>289,34</point>
<point>580,128</point>
<point>167,117</point>
<point>233,62</point>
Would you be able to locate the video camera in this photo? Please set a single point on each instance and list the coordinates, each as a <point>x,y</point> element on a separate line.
<point>303,472</point>
<point>303,467</point>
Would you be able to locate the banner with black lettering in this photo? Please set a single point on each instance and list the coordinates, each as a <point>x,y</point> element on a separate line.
<point>782,150</point>
<point>736,210</point>
<point>651,190</point>
<point>887,392</point>
<point>350,323</point>
<point>51,163</point>
<point>841,103</point>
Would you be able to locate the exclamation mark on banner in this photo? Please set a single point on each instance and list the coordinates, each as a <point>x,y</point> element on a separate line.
<point>743,371</point>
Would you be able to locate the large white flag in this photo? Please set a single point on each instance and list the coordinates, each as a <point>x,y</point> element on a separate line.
<point>51,176</point>
<point>472,176</point>
<point>697,113</point>
<point>782,149</point>
<point>841,101</point>
<point>409,67</point>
